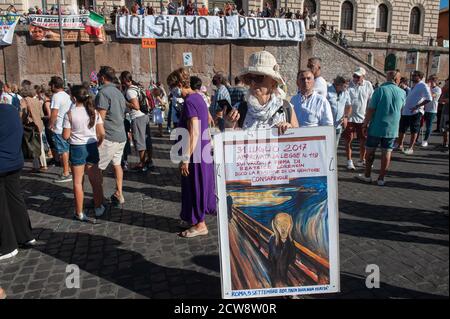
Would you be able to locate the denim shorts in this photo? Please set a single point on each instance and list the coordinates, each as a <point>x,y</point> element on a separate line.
<point>84,154</point>
<point>61,145</point>
<point>386,144</point>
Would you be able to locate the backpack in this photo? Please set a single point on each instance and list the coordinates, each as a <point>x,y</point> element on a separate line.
<point>243,107</point>
<point>142,99</point>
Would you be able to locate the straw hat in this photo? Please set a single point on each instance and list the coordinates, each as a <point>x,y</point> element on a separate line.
<point>263,63</point>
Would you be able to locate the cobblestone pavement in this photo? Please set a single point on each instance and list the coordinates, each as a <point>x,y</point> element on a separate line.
<point>134,252</point>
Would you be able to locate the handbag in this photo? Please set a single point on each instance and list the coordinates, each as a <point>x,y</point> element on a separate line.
<point>31,140</point>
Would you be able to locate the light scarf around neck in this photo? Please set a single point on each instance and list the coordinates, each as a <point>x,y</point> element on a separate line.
<point>263,116</point>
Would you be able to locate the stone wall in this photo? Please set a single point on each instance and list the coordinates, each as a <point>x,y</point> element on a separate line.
<point>38,62</point>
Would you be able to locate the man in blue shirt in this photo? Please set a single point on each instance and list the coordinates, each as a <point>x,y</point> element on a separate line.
<point>381,124</point>
<point>340,103</point>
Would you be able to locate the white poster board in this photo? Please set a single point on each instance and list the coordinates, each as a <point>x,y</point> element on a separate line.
<point>277,212</point>
<point>187,60</point>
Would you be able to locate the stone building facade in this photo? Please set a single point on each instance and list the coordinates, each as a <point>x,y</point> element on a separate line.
<point>392,21</point>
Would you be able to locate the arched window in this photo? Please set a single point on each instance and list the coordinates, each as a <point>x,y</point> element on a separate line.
<point>347,16</point>
<point>310,5</point>
<point>414,21</point>
<point>382,18</point>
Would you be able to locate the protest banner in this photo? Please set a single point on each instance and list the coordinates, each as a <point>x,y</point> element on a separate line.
<point>209,28</point>
<point>277,212</point>
<point>7,25</point>
<point>46,28</point>
<point>70,22</point>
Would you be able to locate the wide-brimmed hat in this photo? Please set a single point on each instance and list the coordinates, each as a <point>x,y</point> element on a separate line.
<point>263,63</point>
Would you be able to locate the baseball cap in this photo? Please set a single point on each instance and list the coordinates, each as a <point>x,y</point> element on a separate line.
<point>360,71</point>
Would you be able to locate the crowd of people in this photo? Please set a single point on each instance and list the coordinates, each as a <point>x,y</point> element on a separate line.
<point>171,7</point>
<point>85,128</point>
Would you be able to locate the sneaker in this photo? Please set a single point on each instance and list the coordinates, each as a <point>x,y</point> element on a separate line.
<point>81,217</point>
<point>425,144</point>
<point>408,151</point>
<point>363,178</point>
<point>63,179</point>
<point>380,182</point>
<point>150,164</point>
<point>350,165</point>
<point>29,244</point>
<point>115,199</point>
<point>9,255</point>
<point>360,163</point>
<point>99,211</point>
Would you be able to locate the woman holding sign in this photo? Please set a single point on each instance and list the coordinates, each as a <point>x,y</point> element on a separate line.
<point>197,171</point>
<point>264,107</point>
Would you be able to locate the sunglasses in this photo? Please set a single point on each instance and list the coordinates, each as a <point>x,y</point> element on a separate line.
<point>356,76</point>
<point>258,79</point>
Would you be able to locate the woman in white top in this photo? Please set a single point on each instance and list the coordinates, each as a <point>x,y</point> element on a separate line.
<point>83,127</point>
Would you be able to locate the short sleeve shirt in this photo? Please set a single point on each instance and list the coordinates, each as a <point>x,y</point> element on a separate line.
<point>312,111</point>
<point>132,93</point>
<point>387,101</point>
<point>109,98</point>
<point>78,122</point>
<point>338,102</point>
<point>320,86</point>
<point>419,93</point>
<point>60,101</point>
<point>432,107</point>
<point>360,96</point>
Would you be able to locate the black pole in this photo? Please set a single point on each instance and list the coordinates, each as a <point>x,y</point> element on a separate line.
<point>63,56</point>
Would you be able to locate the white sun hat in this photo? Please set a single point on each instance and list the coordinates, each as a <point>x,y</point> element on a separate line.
<point>263,63</point>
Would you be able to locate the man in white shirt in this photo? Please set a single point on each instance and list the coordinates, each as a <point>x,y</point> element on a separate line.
<point>341,106</point>
<point>413,110</point>
<point>311,108</point>
<point>320,85</point>
<point>60,105</point>
<point>432,107</point>
<point>360,92</point>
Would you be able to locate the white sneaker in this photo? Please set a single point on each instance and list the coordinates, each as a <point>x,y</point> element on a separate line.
<point>360,163</point>
<point>408,151</point>
<point>350,165</point>
<point>81,217</point>
<point>380,182</point>
<point>9,255</point>
<point>425,144</point>
<point>99,211</point>
<point>363,178</point>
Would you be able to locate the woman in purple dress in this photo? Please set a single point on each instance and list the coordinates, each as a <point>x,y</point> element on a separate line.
<point>196,167</point>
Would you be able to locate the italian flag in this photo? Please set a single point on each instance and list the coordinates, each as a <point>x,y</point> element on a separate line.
<point>94,24</point>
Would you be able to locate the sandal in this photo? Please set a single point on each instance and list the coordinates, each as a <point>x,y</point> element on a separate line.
<point>192,232</point>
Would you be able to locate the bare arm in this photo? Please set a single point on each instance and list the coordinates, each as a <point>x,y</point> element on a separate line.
<point>133,104</point>
<point>66,133</point>
<point>102,113</point>
<point>53,117</point>
<point>194,133</point>
<point>100,130</point>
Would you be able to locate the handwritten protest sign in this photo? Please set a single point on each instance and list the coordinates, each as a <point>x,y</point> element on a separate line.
<point>278,215</point>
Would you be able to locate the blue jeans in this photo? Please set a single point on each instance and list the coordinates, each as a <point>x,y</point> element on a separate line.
<point>429,118</point>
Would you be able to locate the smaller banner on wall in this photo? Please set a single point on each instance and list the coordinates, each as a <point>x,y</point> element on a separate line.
<point>43,34</point>
<point>7,25</point>
<point>76,28</point>
<point>71,22</point>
